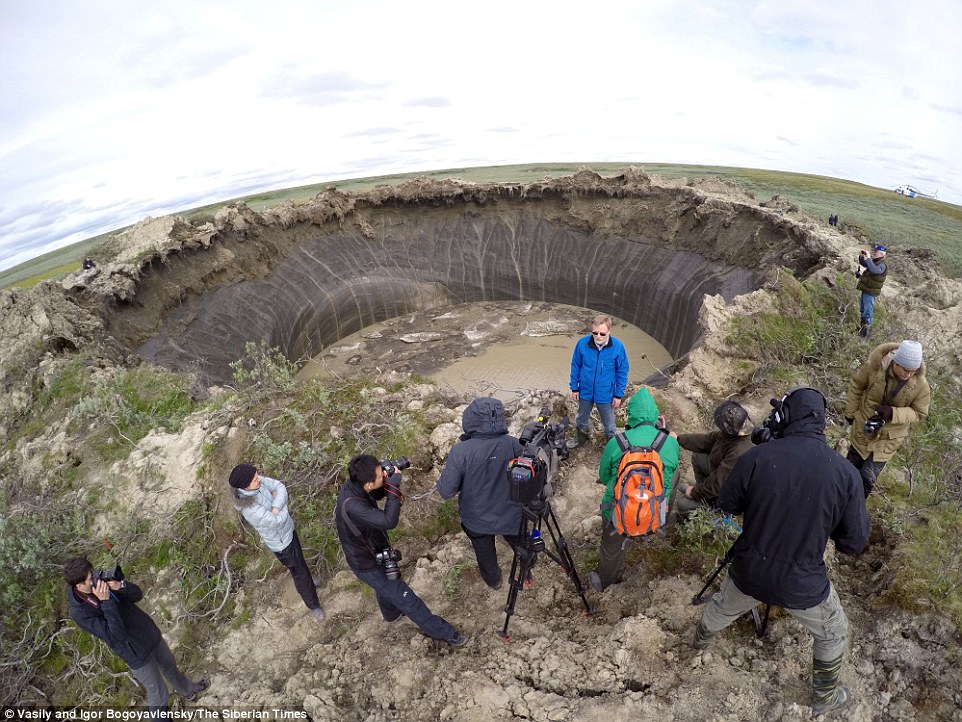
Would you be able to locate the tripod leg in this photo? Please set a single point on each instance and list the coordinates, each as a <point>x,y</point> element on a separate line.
<point>564,558</point>
<point>524,556</point>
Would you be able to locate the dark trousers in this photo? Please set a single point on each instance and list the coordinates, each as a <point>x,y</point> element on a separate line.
<point>160,665</point>
<point>487,554</point>
<point>868,468</point>
<point>395,597</point>
<point>292,557</point>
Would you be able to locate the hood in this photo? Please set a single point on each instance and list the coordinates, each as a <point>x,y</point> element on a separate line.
<point>483,417</point>
<point>642,408</point>
<point>806,412</point>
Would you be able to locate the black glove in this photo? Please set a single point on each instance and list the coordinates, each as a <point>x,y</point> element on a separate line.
<point>884,411</point>
<point>849,420</point>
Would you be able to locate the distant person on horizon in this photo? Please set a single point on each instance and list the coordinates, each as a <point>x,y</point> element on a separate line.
<point>88,263</point>
<point>870,282</point>
<point>599,375</point>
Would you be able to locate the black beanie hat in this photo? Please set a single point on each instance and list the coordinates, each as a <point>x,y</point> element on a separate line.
<point>242,476</point>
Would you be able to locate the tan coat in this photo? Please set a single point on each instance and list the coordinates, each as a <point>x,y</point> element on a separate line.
<point>865,392</point>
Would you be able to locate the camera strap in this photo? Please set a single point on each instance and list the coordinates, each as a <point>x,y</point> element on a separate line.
<point>354,527</point>
<point>886,397</point>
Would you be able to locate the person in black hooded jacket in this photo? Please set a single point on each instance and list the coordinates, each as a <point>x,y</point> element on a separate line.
<point>477,471</point>
<point>795,493</point>
<point>362,528</point>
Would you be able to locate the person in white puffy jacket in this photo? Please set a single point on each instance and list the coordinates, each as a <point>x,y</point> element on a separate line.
<point>263,503</point>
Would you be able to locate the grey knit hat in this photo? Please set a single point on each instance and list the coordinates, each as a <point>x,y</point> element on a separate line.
<point>909,355</point>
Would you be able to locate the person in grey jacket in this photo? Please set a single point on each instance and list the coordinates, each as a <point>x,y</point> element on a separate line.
<point>477,471</point>
<point>263,503</point>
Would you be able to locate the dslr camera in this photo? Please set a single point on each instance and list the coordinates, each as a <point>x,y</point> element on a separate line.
<point>392,466</point>
<point>114,575</point>
<point>388,558</point>
<point>872,425</point>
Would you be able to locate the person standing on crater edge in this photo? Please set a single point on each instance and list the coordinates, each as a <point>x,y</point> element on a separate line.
<point>599,375</point>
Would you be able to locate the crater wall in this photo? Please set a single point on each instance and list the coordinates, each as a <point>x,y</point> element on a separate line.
<point>331,280</point>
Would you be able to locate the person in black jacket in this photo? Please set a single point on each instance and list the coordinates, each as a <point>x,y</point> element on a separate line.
<point>476,470</point>
<point>362,529</point>
<point>108,610</point>
<point>795,493</point>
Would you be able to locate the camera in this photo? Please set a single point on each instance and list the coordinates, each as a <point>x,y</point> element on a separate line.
<point>872,425</point>
<point>531,475</point>
<point>392,466</point>
<point>114,575</point>
<point>389,558</point>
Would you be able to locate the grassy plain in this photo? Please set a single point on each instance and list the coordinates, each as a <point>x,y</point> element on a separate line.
<point>881,214</point>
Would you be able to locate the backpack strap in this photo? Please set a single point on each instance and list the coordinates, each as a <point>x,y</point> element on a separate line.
<point>623,442</point>
<point>659,441</point>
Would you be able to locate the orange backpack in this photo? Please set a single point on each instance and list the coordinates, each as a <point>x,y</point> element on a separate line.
<point>639,505</point>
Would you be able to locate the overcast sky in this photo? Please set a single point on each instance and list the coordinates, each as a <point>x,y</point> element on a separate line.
<point>114,111</point>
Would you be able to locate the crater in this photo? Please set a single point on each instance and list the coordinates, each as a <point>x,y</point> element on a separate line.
<point>303,276</point>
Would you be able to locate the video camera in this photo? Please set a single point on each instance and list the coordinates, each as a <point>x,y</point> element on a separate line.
<point>391,467</point>
<point>114,575</point>
<point>531,475</point>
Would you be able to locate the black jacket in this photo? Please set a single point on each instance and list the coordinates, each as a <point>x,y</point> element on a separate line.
<point>477,470</point>
<point>128,630</point>
<point>369,534</point>
<point>795,492</point>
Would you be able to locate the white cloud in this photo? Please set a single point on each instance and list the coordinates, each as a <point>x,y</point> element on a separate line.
<point>115,111</point>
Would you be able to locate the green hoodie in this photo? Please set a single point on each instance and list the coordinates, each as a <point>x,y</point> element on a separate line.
<point>641,409</point>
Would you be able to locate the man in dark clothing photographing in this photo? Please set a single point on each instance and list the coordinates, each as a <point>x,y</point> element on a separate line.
<point>362,529</point>
<point>795,493</point>
<point>476,471</point>
<point>108,610</point>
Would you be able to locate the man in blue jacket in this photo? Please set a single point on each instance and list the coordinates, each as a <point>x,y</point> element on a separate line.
<point>476,470</point>
<point>599,374</point>
<point>108,610</point>
<point>796,493</point>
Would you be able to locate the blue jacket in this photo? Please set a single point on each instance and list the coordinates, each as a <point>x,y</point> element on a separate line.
<point>477,471</point>
<point>597,375</point>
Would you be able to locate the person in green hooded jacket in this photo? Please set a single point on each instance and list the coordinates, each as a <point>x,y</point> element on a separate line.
<point>641,430</point>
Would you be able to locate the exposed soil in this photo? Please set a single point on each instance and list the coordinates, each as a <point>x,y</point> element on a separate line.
<point>628,660</point>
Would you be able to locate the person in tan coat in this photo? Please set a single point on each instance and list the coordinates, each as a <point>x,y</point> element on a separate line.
<point>887,394</point>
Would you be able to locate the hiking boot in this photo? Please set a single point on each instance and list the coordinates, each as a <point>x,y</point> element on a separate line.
<point>199,689</point>
<point>458,640</point>
<point>499,582</point>
<point>594,579</point>
<point>581,438</point>
<point>864,330</point>
<point>318,614</point>
<point>702,637</point>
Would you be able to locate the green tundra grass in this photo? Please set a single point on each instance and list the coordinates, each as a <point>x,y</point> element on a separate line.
<point>882,214</point>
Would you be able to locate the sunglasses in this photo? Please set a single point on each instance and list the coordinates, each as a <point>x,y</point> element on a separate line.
<point>599,333</point>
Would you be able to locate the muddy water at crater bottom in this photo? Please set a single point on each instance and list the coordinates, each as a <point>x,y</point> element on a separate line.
<point>501,349</point>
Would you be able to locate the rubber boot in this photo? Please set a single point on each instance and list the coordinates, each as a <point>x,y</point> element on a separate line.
<point>827,696</point>
<point>581,438</point>
<point>701,638</point>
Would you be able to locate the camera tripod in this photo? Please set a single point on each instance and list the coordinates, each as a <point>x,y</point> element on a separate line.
<point>526,551</point>
<point>759,619</point>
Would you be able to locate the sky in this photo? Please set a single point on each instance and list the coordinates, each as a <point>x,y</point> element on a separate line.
<point>115,110</point>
